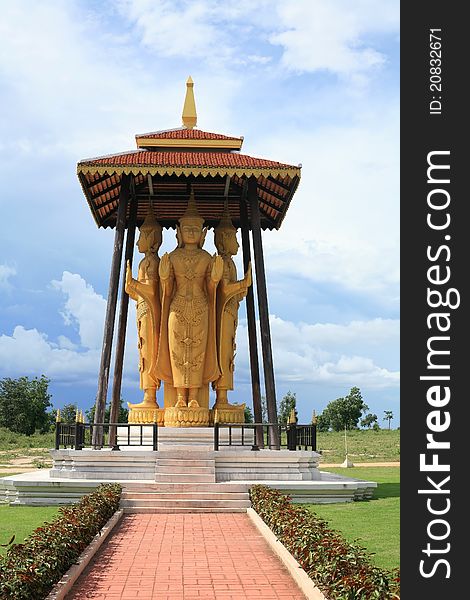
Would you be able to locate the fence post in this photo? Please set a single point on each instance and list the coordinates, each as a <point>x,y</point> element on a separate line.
<point>113,438</point>
<point>291,436</point>
<point>256,437</point>
<point>155,437</point>
<point>57,435</point>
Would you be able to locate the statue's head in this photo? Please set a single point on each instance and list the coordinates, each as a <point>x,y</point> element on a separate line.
<point>225,235</point>
<point>150,238</point>
<point>190,230</point>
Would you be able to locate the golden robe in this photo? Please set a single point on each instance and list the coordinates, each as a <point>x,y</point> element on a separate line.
<point>187,354</point>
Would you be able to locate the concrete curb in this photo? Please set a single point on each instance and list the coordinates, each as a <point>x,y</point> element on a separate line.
<point>295,570</point>
<point>63,587</point>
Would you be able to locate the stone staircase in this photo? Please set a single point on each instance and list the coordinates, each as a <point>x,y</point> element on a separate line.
<point>184,482</point>
<point>184,497</point>
<point>185,464</point>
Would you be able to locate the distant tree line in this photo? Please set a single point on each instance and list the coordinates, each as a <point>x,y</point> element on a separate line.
<point>25,406</point>
<point>350,412</point>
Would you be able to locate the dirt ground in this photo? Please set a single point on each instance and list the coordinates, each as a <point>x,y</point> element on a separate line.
<point>16,461</point>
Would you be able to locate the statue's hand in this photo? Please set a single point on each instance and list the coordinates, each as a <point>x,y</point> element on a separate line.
<point>165,267</point>
<point>217,269</point>
<point>248,276</point>
<point>128,274</point>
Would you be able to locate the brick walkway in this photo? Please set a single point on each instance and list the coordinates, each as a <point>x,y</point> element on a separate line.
<point>185,557</point>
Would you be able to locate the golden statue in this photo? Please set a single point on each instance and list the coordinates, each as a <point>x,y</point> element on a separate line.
<point>230,292</point>
<point>187,359</point>
<point>145,291</point>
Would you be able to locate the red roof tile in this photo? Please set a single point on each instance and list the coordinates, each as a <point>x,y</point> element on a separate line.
<point>146,158</point>
<point>186,134</point>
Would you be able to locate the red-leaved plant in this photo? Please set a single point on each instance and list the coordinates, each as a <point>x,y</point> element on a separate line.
<point>28,571</point>
<point>341,570</point>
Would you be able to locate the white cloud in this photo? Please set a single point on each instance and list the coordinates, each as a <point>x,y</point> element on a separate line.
<point>83,308</point>
<point>329,353</point>
<point>30,352</point>
<point>6,272</point>
<point>328,35</point>
<point>172,29</point>
<point>343,222</point>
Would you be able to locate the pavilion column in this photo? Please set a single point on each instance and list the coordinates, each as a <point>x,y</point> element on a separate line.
<point>251,319</point>
<point>263,311</point>
<point>103,377</point>
<point>122,326</point>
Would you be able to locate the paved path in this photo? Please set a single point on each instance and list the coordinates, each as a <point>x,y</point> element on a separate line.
<point>185,557</point>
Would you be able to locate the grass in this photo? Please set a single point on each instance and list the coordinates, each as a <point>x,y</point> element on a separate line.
<point>363,445</point>
<point>21,521</point>
<point>9,440</point>
<point>373,524</point>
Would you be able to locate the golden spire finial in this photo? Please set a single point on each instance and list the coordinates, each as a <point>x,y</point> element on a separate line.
<point>292,417</point>
<point>189,108</point>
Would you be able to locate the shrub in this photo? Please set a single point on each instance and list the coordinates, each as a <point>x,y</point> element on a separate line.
<point>28,571</point>
<point>341,570</point>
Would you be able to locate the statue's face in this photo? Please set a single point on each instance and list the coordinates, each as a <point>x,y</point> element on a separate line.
<point>147,239</point>
<point>190,232</point>
<point>143,241</point>
<point>230,242</point>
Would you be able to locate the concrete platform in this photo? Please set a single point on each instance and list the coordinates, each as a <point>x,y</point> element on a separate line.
<point>185,473</point>
<point>39,488</point>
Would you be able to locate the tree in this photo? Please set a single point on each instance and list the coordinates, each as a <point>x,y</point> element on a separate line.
<point>24,403</point>
<point>248,415</point>
<point>285,407</point>
<point>68,413</point>
<point>122,415</point>
<point>388,416</point>
<point>343,412</point>
<point>323,422</point>
<point>369,421</point>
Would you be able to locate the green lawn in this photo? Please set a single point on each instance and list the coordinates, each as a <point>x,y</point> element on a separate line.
<point>374,524</point>
<point>21,521</point>
<point>363,445</point>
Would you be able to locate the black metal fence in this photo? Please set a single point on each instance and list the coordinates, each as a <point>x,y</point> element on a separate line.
<point>80,435</point>
<point>292,437</point>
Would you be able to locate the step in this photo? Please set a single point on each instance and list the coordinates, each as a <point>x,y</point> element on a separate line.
<point>185,495</point>
<point>177,510</point>
<point>187,503</point>
<point>185,453</point>
<point>185,477</point>
<point>187,461</point>
<point>181,469</point>
<point>164,487</point>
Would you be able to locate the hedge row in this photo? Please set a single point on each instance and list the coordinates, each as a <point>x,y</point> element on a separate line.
<point>341,570</point>
<point>28,571</point>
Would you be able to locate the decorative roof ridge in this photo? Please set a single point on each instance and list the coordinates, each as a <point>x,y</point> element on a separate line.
<point>212,154</point>
<point>112,155</point>
<point>137,135</point>
<point>222,136</point>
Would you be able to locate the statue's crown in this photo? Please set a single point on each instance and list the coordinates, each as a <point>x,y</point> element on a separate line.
<point>192,213</point>
<point>225,222</point>
<point>150,221</point>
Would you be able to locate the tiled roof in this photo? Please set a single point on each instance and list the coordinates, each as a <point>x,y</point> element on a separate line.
<point>186,134</point>
<point>146,158</point>
<point>160,173</point>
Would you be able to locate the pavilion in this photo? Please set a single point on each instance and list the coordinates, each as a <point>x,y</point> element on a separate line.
<point>120,188</point>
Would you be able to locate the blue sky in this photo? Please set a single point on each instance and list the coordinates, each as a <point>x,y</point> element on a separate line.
<point>314,82</point>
